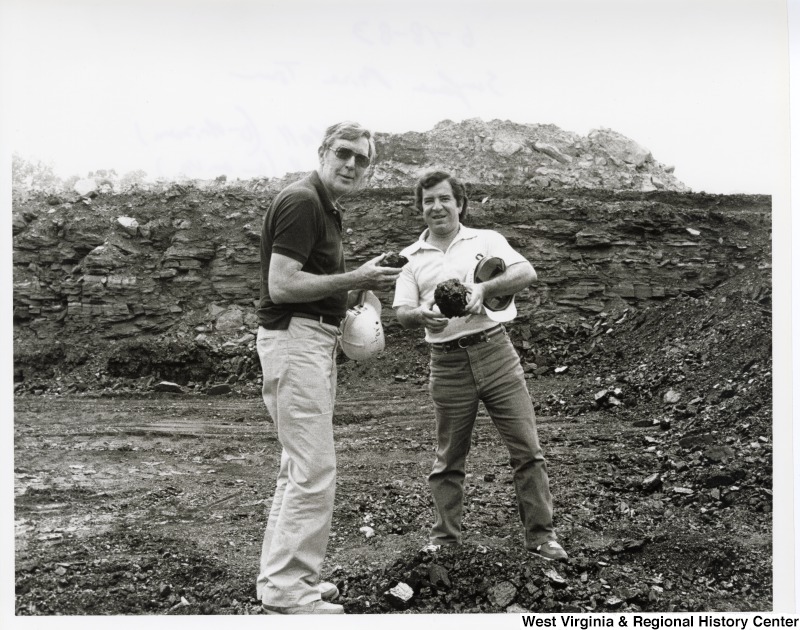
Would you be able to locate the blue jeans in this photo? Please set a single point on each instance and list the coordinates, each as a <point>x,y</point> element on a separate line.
<point>489,372</point>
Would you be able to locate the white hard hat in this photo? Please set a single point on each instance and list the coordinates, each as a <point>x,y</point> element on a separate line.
<point>500,308</point>
<point>362,331</point>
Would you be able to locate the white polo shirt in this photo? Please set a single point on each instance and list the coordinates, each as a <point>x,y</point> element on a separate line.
<point>428,266</point>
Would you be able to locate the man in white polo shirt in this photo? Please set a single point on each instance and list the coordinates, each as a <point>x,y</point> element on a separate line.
<point>472,360</point>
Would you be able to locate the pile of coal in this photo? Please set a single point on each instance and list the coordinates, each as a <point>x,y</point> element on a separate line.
<point>451,298</point>
<point>394,259</point>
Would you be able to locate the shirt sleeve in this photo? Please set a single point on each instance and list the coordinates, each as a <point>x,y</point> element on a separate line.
<point>497,245</point>
<point>295,227</point>
<point>406,290</point>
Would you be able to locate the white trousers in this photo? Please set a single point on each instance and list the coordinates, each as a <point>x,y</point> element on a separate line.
<point>299,368</point>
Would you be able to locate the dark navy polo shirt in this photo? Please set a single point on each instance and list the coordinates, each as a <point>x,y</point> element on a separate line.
<point>302,223</point>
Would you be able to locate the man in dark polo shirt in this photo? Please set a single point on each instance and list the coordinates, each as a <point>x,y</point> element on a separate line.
<point>304,294</point>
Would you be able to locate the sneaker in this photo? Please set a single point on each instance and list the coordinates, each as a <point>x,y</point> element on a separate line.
<point>431,548</point>
<point>328,591</point>
<point>551,550</point>
<point>317,607</point>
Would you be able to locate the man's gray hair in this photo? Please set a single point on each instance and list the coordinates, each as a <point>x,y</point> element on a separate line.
<point>347,131</point>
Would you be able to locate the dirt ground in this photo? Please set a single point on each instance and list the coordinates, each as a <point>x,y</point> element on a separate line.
<point>658,445</point>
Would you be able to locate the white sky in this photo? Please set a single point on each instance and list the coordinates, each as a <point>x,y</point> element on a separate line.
<point>246,88</point>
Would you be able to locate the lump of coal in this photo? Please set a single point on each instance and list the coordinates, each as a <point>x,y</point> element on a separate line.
<point>451,298</point>
<point>394,260</point>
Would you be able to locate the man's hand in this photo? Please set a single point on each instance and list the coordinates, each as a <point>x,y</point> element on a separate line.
<point>372,276</point>
<point>515,278</point>
<point>475,298</point>
<point>422,316</point>
<point>289,283</point>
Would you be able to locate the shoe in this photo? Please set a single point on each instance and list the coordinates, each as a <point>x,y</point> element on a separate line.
<point>328,591</point>
<point>431,548</point>
<point>551,550</point>
<point>317,607</point>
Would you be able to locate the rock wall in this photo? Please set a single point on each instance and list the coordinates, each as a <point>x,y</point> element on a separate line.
<point>183,260</point>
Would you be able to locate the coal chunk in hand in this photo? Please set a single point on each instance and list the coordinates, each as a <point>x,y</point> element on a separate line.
<point>451,298</point>
<point>394,260</point>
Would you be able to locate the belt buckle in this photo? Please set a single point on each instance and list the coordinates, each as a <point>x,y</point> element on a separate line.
<point>469,339</point>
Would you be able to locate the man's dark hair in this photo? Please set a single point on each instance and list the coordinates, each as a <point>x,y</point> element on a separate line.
<point>431,179</point>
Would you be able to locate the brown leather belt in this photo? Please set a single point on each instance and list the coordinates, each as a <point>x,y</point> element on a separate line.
<point>322,319</point>
<point>469,340</point>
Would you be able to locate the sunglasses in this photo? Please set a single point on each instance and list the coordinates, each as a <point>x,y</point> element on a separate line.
<point>344,154</point>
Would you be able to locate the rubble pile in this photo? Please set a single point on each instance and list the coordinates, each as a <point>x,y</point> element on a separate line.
<point>162,580</point>
<point>500,152</point>
<point>472,578</point>
<point>697,371</point>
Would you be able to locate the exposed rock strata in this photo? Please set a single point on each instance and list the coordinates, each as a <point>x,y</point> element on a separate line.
<point>193,255</point>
